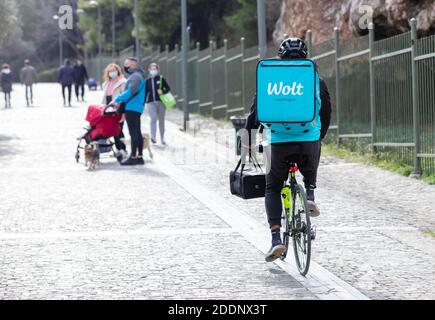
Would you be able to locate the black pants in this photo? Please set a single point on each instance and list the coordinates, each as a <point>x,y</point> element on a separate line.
<point>79,87</point>
<point>69,87</point>
<point>8,99</point>
<point>29,93</point>
<point>307,157</point>
<point>134,127</point>
<point>118,140</point>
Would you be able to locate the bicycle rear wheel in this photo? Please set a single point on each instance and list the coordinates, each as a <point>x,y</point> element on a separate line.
<point>301,230</point>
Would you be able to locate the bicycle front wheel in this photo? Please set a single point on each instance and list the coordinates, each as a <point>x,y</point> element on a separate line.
<point>301,234</point>
<point>286,219</point>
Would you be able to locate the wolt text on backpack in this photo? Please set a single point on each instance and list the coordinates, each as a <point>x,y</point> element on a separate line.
<point>288,99</point>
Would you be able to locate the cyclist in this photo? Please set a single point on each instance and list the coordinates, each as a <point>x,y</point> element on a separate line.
<point>303,149</point>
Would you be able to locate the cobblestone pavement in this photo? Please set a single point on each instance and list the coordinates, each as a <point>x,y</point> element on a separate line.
<point>115,233</point>
<point>141,233</point>
<point>370,233</point>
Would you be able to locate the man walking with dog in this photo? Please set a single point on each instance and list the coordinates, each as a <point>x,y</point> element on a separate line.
<point>131,102</point>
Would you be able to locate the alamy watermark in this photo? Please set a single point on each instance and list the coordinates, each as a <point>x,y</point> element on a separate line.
<point>366,18</point>
<point>65,17</point>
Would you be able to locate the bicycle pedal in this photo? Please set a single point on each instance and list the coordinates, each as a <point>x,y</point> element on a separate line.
<point>313,233</point>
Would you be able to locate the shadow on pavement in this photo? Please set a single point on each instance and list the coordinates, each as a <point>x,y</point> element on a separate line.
<point>160,147</point>
<point>7,146</point>
<point>280,279</point>
<point>140,170</point>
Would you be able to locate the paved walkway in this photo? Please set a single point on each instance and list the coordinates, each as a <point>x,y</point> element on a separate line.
<point>372,229</point>
<point>170,230</point>
<point>120,233</point>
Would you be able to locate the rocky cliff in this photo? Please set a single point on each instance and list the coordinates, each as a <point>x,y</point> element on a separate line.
<point>321,16</point>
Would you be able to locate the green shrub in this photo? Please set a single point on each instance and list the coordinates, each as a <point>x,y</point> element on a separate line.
<point>49,75</point>
<point>368,157</point>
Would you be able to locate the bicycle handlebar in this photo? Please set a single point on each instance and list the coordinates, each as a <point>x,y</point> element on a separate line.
<point>107,107</point>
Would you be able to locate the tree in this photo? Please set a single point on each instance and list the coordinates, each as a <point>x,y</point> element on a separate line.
<point>244,20</point>
<point>8,21</point>
<point>124,24</point>
<point>161,21</point>
<point>33,34</point>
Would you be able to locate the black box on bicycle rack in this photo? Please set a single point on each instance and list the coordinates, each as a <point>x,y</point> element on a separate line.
<point>248,183</point>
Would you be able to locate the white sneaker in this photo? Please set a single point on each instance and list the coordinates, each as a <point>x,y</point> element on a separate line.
<point>124,154</point>
<point>313,209</point>
<point>121,156</point>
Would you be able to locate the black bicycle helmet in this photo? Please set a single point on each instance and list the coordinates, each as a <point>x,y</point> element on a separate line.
<point>293,48</point>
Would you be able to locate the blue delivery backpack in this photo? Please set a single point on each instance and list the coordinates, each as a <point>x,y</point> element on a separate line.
<point>287,91</point>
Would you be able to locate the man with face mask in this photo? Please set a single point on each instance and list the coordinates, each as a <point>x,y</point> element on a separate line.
<point>132,102</point>
<point>156,85</point>
<point>80,78</point>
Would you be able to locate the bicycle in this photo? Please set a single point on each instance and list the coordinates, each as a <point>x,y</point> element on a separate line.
<point>296,222</point>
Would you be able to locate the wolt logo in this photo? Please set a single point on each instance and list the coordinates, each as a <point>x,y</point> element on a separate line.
<point>277,89</point>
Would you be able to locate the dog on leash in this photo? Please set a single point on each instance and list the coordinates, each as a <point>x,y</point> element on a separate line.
<point>147,144</point>
<point>92,156</point>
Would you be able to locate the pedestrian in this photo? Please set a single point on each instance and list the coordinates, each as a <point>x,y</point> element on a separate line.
<point>131,102</point>
<point>80,78</point>
<point>66,79</point>
<point>6,84</point>
<point>28,78</point>
<point>113,87</point>
<point>156,85</point>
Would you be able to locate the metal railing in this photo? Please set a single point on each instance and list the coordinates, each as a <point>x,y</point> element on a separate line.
<point>383,92</point>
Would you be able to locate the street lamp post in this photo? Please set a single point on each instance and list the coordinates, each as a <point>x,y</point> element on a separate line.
<point>136,13</point>
<point>85,42</point>
<point>95,4</point>
<point>85,49</point>
<point>113,30</point>
<point>184,37</point>
<point>262,38</point>
<point>56,18</point>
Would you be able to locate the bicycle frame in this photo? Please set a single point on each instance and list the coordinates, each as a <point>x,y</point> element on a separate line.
<point>287,193</point>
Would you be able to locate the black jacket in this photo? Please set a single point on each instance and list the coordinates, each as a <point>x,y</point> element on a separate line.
<point>325,112</point>
<point>152,87</point>
<point>66,75</point>
<point>6,82</point>
<point>80,74</point>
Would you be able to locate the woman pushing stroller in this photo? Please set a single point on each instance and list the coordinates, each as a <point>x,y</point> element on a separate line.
<point>127,99</point>
<point>114,86</point>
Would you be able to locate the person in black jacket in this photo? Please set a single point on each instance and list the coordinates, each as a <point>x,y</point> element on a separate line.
<point>6,83</point>
<point>156,85</point>
<point>66,79</point>
<point>80,78</point>
<point>303,149</point>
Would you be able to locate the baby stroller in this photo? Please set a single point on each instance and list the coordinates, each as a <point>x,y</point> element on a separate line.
<point>92,84</point>
<point>104,127</point>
